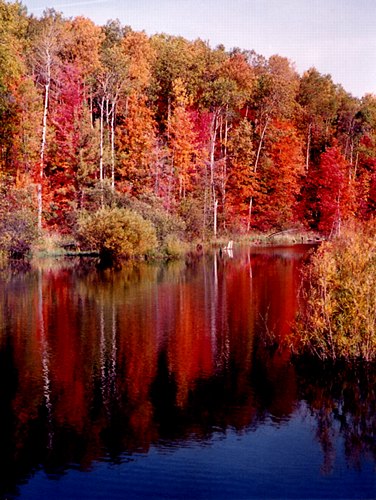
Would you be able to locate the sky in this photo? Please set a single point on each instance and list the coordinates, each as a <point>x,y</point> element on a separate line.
<point>337,37</point>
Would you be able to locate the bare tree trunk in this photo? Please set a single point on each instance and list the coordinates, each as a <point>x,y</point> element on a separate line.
<point>169,183</point>
<point>43,149</point>
<point>101,133</point>
<point>263,133</point>
<point>213,136</point>
<point>356,165</point>
<point>224,173</point>
<point>348,137</point>
<point>308,146</point>
<point>168,118</point>
<point>101,149</point>
<point>45,50</point>
<point>260,145</point>
<point>113,146</point>
<point>338,216</point>
<point>215,223</point>
<point>91,111</point>
<point>205,204</point>
<point>249,214</point>
<point>214,201</point>
<point>352,153</point>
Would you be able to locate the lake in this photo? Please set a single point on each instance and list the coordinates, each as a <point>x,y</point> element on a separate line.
<point>163,382</point>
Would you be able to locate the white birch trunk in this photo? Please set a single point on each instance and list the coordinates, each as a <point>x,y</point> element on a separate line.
<point>250,214</point>
<point>260,145</point>
<point>101,133</point>
<point>308,146</point>
<point>213,136</point>
<point>42,150</point>
<point>215,223</point>
<point>113,146</point>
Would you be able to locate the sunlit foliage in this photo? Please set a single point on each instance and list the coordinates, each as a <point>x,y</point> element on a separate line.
<point>338,318</point>
<point>116,233</point>
<point>244,140</point>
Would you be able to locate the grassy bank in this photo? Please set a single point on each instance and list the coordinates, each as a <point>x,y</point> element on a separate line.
<point>166,247</point>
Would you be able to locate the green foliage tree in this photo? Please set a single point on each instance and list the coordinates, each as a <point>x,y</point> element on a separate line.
<point>317,98</point>
<point>13,43</point>
<point>175,58</point>
<point>13,36</point>
<point>273,96</point>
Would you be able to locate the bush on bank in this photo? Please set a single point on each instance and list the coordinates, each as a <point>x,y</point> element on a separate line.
<point>338,314</point>
<point>168,227</point>
<point>166,224</point>
<point>116,233</point>
<point>18,230</point>
<point>18,221</point>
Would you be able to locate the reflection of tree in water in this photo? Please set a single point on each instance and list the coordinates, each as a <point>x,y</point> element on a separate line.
<point>343,402</point>
<point>126,351</point>
<point>157,354</point>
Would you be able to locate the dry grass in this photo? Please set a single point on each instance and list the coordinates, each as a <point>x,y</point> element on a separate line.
<point>338,318</point>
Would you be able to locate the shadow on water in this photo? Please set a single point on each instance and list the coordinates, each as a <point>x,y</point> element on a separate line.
<point>103,364</point>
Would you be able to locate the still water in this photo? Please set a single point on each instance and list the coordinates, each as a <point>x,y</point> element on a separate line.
<point>160,381</point>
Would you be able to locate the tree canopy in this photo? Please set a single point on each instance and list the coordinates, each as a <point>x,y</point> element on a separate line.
<point>244,141</point>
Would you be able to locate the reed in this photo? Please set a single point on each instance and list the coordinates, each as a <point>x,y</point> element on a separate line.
<point>337,319</point>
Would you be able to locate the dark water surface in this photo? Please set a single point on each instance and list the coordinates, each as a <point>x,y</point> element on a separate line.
<point>159,382</point>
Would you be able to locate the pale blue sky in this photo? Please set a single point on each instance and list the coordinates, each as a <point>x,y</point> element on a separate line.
<point>335,36</point>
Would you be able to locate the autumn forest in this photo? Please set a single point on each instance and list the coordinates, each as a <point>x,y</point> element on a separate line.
<point>198,141</point>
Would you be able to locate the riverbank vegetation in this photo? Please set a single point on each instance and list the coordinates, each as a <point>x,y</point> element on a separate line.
<point>338,315</point>
<point>200,142</point>
<point>116,233</point>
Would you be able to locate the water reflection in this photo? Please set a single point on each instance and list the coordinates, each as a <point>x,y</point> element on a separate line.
<point>343,402</point>
<point>97,365</point>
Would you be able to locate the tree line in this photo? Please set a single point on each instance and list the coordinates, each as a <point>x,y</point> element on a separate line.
<point>212,141</point>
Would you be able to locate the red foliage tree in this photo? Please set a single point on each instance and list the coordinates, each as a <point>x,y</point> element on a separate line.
<point>335,193</point>
<point>63,156</point>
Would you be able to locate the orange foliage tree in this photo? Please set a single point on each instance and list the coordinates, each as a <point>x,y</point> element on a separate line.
<point>137,147</point>
<point>281,175</point>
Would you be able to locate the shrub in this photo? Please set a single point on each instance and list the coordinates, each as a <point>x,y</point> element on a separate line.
<point>18,220</point>
<point>338,317</point>
<point>165,223</point>
<point>116,233</point>
<point>18,230</point>
<point>175,248</point>
<point>49,243</point>
<point>149,206</point>
<point>192,213</point>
